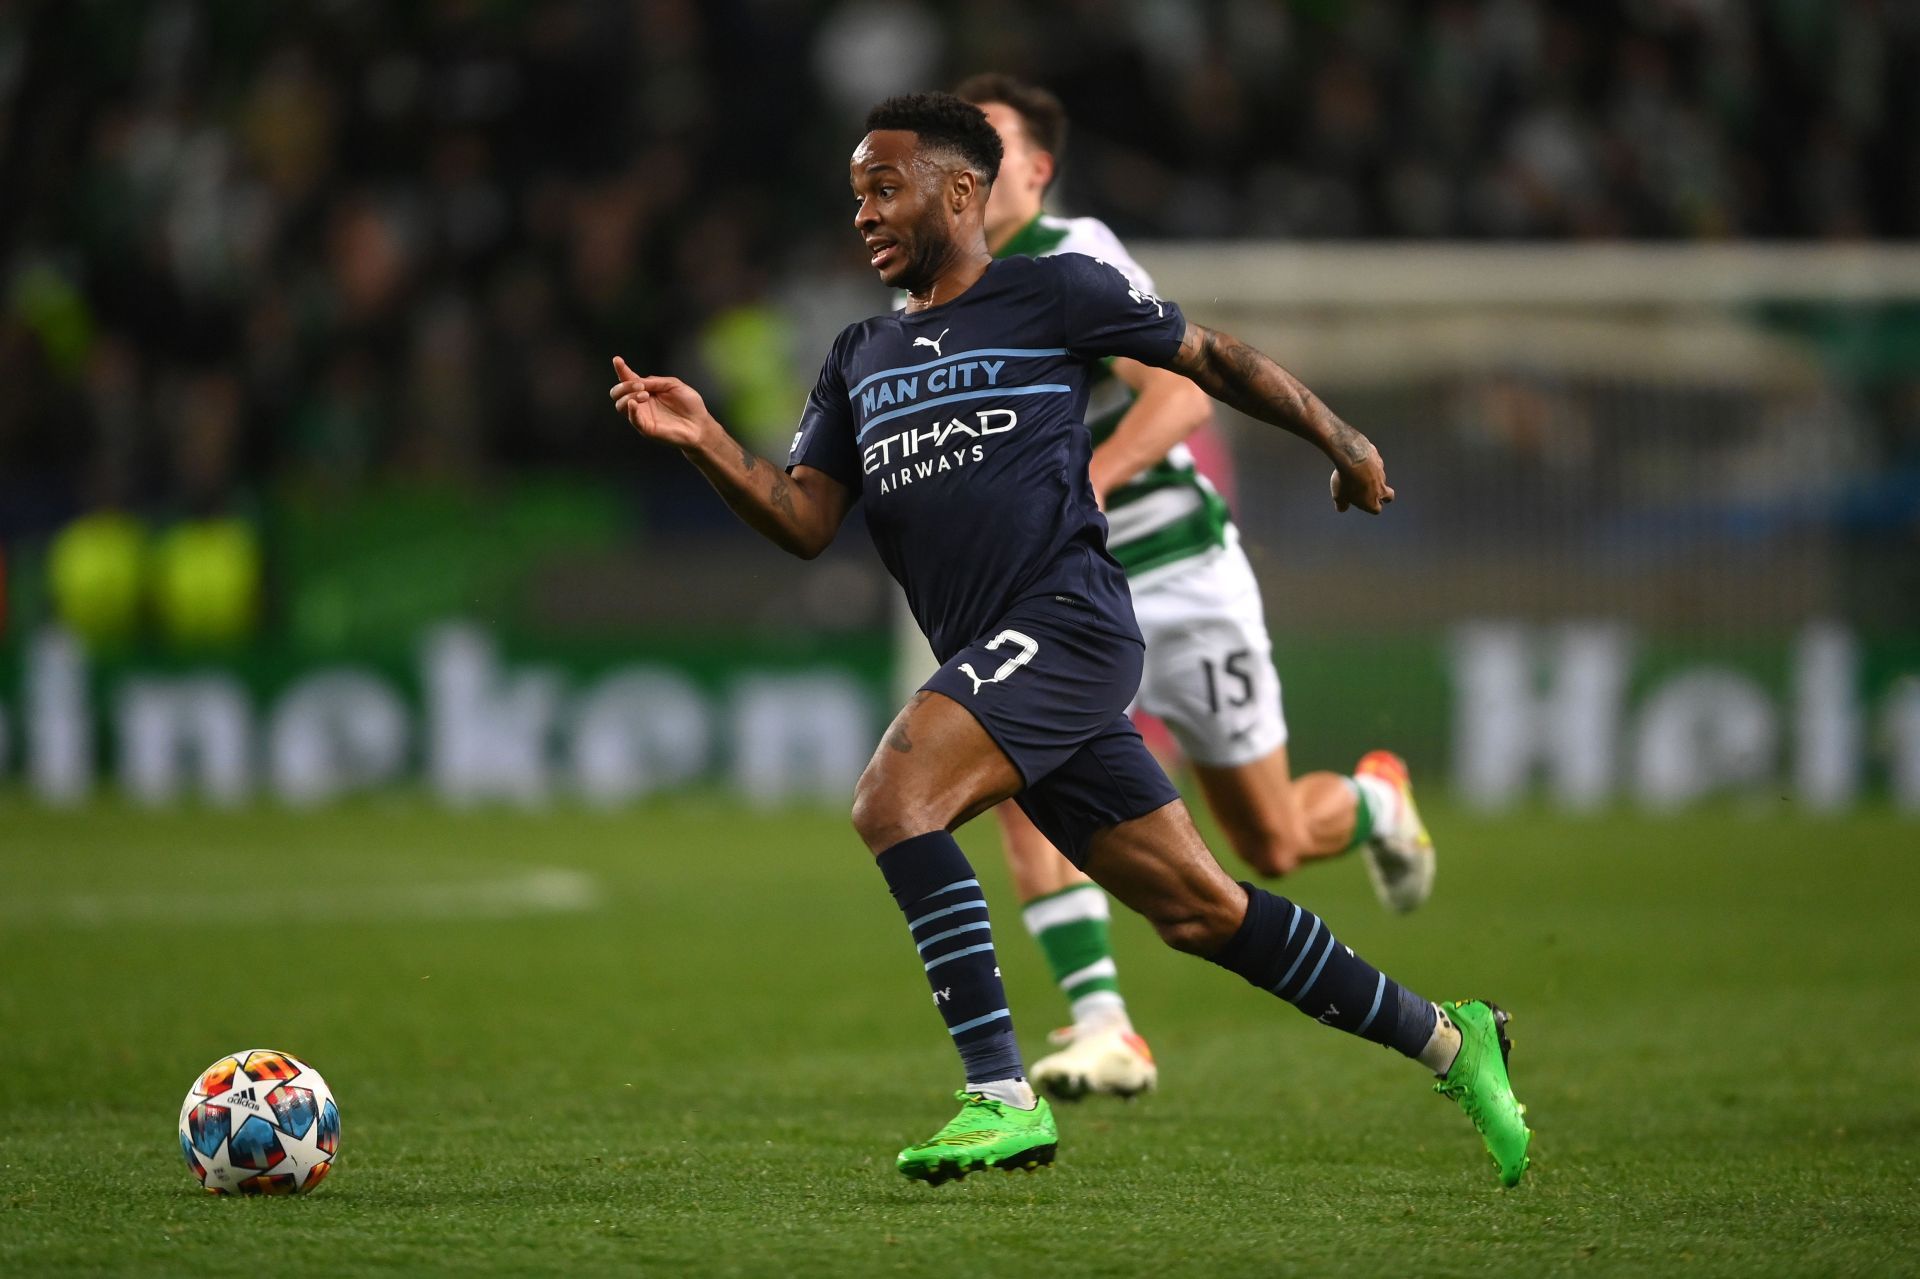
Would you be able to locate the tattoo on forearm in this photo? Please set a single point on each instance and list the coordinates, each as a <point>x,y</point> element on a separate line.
<point>1248,380</point>
<point>1242,361</point>
<point>772,508</point>
<point>1236,374</point>
<point>782,496</point>
<point>781,492</point>
<point>1352,445</point>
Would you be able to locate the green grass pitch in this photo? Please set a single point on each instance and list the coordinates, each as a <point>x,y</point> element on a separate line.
<point>690,1039</point>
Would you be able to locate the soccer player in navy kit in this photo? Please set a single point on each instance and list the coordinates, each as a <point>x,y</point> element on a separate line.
<point>961,422</point>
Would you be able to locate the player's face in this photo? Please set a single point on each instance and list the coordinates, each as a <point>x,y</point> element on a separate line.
<point>1025,171</point>
<point>903,215</point>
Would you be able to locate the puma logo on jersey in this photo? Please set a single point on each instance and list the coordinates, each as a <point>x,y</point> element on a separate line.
<point>1027,648</point>
<point>935,342</point>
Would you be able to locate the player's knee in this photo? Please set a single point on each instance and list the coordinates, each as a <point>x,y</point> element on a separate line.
<point>883,815</point>
<point>871,814</point>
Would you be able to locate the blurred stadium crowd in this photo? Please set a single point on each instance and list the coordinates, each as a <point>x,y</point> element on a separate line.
<point>311,244</point>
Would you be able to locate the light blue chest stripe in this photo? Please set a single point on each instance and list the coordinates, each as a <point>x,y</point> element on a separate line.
<point>1045,388</point>
<point>1021,352</point>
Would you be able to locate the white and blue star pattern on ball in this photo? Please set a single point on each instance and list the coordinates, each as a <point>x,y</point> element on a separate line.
<point>259,1122</point>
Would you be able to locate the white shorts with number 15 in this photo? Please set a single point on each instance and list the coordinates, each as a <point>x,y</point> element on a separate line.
<point>1209,671</point>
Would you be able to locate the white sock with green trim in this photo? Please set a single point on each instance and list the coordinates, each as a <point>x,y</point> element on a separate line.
<point>1071,927</point>
<point>1381,809</point>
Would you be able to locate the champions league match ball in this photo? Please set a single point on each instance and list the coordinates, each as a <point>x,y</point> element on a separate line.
<point>259,1122</point>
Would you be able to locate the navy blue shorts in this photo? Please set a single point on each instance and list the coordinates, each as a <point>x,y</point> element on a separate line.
<point>1052,692</point>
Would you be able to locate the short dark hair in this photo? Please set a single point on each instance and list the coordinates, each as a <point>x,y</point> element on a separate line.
<point>1040,112</point>
<point>943,120</point>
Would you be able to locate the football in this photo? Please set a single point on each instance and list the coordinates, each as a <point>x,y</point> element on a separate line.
<point>259,1122</point>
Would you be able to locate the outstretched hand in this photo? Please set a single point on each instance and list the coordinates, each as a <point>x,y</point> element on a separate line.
<point>1361,483</point>
<point>660,408</point>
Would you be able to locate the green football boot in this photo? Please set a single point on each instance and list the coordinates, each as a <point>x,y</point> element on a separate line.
<point>1478,1081</point>
<point>985,1134</point>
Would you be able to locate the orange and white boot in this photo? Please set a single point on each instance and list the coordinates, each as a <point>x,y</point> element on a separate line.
<point>1399,852</point>
<point>1112,1060</point>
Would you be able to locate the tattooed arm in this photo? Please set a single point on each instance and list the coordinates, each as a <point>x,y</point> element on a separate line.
<point>799,513</point>
<point>1236,374</point>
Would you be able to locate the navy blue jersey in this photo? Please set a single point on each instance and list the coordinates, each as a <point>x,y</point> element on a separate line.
<point>963,427</point>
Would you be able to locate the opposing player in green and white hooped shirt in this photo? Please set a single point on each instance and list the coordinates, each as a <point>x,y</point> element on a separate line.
<point>1209,670</point>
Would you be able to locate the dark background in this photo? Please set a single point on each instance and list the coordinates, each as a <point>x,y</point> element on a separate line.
<point>265,247</point>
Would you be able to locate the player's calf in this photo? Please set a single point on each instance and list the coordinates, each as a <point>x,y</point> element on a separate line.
<point>1275,822</point>
<point>1268,852</point>
<point>1193,925</point>
<point>1158,866</point>
<point>1272,837</point>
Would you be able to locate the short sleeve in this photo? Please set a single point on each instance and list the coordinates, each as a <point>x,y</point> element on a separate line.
<point>1097,240</point>
<point>1104,313</point>
<point>825,440</point>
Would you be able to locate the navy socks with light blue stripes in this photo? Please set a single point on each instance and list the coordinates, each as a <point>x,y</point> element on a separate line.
<point>1286,949</point>
<point>934,884</point>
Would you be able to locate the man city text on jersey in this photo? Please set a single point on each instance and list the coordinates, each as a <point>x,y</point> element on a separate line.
<point>900,456</point>
<point>962,427</point>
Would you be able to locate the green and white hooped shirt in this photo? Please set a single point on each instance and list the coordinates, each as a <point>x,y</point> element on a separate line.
<point>1169,512</point>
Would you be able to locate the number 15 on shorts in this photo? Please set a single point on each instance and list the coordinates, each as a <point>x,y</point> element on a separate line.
<point>1234,676</point>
